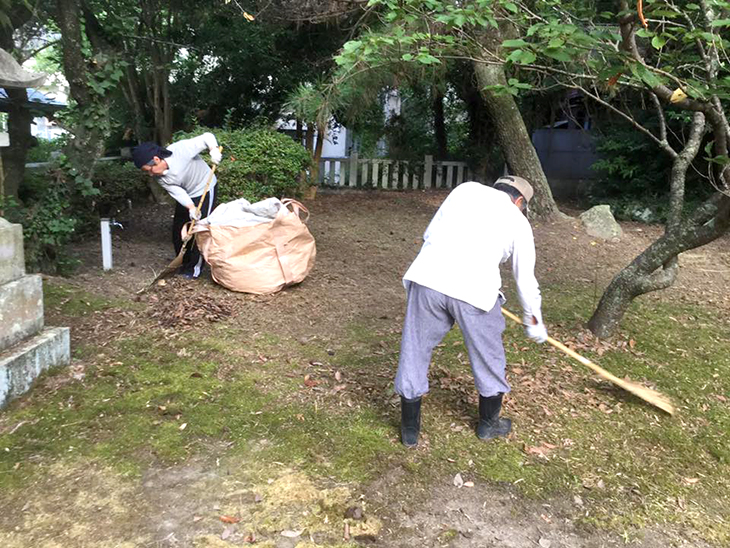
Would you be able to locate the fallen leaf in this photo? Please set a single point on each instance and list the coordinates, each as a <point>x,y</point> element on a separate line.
<point>458,481</point>
<point>545,543</point>
<point>309,382</point>
<point>250,538</point>
<point>227,532</point>
<point>338,376</point>
<point>691,481</point>
<point>541,451</point>
<point>290,534</point>
<point>183,426</point>
<point>229,519</point>
<point>468,484</point>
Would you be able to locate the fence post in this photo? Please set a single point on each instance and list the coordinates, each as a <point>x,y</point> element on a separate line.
<point>353,169</point>
<point>427,169</point>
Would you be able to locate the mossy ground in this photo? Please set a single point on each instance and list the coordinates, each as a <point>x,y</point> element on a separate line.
<point>284,408</point>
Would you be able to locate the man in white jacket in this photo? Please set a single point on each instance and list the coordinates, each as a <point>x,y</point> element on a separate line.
<point>456,278</point>
<point>181,171</point>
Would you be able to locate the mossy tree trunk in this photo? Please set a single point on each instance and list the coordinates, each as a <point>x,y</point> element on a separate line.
<point>514,138</point>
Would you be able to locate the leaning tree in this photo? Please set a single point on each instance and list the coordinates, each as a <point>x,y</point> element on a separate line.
<point>674,54</point>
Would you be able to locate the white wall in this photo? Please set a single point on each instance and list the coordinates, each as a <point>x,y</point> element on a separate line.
<point>335,140</point>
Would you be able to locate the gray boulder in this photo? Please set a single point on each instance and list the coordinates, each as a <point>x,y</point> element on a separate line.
<point>599,223</point>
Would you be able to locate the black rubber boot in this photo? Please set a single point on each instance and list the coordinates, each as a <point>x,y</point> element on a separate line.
<point>410,421</point>
<point>491,425</point>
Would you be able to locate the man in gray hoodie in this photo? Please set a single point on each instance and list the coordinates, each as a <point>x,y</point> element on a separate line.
<point>181,171</point>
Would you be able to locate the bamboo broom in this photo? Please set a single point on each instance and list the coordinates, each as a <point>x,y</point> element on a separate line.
<point>647,394</point>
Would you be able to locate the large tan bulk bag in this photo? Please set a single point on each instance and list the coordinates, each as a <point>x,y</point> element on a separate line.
<point>264,258</point>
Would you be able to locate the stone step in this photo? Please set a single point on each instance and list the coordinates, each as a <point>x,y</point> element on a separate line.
<point>21,310</point>
<point>22,364</point>
<point>12,262</point>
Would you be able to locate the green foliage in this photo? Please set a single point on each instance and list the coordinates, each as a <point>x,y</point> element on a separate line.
<point>116,183</point>
<point>57,207</point>
<point>45,149</point>
<point>634,177</point>
<point>257,163</point>
<point>48,224</point>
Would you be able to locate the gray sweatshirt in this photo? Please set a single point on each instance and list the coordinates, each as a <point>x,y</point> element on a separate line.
<point>188,172</point>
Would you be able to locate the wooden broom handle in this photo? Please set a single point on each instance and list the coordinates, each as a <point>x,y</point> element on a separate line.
<point>572,353</point>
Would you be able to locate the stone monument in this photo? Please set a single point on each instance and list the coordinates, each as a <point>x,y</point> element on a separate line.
<point>27,348</point>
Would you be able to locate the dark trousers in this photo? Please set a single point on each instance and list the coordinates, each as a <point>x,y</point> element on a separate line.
<point>192,264</point>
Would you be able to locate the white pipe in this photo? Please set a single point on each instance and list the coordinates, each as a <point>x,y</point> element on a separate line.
<point>106,244</point>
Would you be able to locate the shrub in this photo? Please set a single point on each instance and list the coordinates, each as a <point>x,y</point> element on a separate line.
<point>118,183</point>
<point>56,208</point>
<point>48,222</point>
<point>44,150</point>
<point>634,174</point>
<point>257,163</point>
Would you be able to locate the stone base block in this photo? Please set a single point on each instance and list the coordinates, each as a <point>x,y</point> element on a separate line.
<point>22,364</point>
<point>21,310</point>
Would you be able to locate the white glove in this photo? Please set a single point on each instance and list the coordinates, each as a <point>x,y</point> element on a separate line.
<point>215,156</point>
<point>537,332</point>
<point>194,214</point>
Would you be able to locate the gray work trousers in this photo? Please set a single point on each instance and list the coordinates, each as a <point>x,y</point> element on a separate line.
<point>429,316</point>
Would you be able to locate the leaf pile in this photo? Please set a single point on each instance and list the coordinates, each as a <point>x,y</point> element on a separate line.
<point>177,306</point>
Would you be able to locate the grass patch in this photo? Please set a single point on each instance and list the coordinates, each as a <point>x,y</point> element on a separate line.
<point>272,399</point>
<point>68,300</point>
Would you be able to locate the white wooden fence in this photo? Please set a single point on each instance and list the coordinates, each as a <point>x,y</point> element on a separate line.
<point>356,172</point>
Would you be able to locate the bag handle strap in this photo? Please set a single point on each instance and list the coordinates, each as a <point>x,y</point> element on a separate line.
<point>296,207</point>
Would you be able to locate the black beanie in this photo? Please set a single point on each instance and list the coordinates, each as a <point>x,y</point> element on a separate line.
<point>143,154</point>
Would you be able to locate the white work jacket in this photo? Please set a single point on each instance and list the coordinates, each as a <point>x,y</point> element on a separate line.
<point>475,230</point>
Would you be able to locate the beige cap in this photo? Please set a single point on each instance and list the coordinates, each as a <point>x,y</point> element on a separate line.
<point>519,183</point>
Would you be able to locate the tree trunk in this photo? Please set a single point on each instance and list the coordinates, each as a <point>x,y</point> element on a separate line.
<point>19,121</point>
<point>131,92</point>
<point>309,139</point>
<point>88,143</point>
<point>657,267</point>
<point>642,275</point>
<point>515,140</point>
<point>481,132</point>
<point>317,156</point>
<point>439,126</point>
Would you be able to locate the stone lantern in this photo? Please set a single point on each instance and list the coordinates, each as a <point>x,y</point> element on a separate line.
<point>27,347</point>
